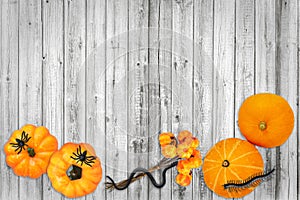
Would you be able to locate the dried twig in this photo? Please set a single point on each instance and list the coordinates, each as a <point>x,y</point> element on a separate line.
<point>165,162</point>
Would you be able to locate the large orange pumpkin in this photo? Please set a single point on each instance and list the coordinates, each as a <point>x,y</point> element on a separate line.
<point>266,120</point>
<point>75,170</point>
<point>230,160</point>
<point>29,149</point>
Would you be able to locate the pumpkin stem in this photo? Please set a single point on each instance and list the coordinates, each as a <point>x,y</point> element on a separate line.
<point>225,163</point>
<point>262,126</point>
<point>31,152</point>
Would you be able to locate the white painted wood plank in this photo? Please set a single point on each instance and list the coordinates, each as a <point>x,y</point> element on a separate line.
<point>286,86</point>
<point>138,95</point>
<point>8,91</point>
<point>95,86</point>
<point>116,94</point>
<point>203,87</point>
<point>182,79</point>
<point>154,98</point>
<point>75,44</point>
<point>165,80</point>
<point>245,60</point>
<point>265,78</point>
<point>224,32</point>
<point>297,116</point>
<point>53,82</point>
<point>30,81</point>
<point>224,83</point>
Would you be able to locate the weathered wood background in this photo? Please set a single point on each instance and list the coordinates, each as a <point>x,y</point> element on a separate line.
<point>93,71</point>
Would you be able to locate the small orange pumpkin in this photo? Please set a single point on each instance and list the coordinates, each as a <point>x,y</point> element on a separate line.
<point>29,149</point>
<point>266,120</point>
<point>229,160</point>
<point>75,170</point>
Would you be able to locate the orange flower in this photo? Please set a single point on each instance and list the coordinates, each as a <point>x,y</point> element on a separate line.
<point>183,167</point>
<point>184,135</point>
<point>195,143</point>
<point>169,151</point>
<point>195,162</point>
<point>183,180</point>
<point>166,139</point>
<point>184,151</point>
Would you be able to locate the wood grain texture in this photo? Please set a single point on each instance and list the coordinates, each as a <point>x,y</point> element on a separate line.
<point>116,70</point>
<point>286,86</point>
<point>244,59</point>
<point>154,97</point>
<point>9,93</point>
<point>165,83</point>
<point>203,84</point>
<point>116,73</point>
<point>53,79</point>
<point>75,70</point>
<point>30,81</point>
<point>95,63</point>
<point>138,82</point>
<point>182,78</point>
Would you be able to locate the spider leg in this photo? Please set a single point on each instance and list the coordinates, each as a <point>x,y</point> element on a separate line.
<point>74,158</point>
<point>17,148</point>
<point>20,150</point>
<point>93,157</point>
<point>27,139</point>
<point>90,160</point>
<point>22,135</point>
<point>75,154</point>
<point>79,150</point>
<point>87,163</point>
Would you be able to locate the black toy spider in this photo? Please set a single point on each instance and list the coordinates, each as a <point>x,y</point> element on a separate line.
<point>21,143</point>
<point>83,158</point>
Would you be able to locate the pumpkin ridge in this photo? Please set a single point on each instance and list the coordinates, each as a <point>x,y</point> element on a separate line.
<point>217,177</point>
<point>47,137</point>
<point>219,153</point>
<point>247,166</point>
<point>209,160</point>
<point>36,166</point>
<point>225,180</point>
<point>224,149</point>
<point>233,149</point>
<point>209,169</point>
<point>235,174</point>
<point>243,155</point>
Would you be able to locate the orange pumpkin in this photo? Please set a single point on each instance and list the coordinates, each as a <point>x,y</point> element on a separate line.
<point>29,149</point>
<point>75,170</point>
<point>266,120</point>
<point>230,160</point>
